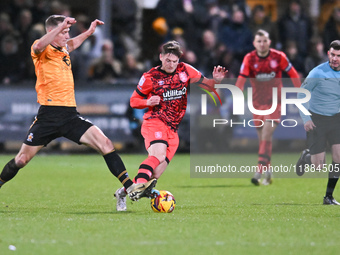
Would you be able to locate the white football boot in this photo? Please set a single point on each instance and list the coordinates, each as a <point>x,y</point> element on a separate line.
<point>120,195</point>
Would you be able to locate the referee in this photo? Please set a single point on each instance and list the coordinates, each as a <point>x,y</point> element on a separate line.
<point>323,125</point>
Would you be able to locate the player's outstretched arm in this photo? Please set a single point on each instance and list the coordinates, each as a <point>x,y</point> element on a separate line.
<point>48,38</point>
<point>219,73</point>
<point>75,42</point>
<point>294,76</point>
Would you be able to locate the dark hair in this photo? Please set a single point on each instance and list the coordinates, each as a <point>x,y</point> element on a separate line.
<point>262,32</point>
<point>172,47</point>
<point>54,20</point>
<point>335,45</point>
<point>258,7</point>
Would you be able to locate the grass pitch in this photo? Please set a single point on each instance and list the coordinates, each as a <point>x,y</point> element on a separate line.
<point>64,205</point>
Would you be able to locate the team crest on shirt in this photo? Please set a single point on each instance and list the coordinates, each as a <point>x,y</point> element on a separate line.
<point>160,83</point>
<point>158,134</point>
<point>183,77</point>
<point>273,64</point>
<point>256,66</point>
<point>30,137</point>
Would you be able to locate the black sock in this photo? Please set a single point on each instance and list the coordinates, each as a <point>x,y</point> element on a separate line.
<point>333,177</point>
<point>307,159</point>
<point>117,168</point>
<point>8,172</point>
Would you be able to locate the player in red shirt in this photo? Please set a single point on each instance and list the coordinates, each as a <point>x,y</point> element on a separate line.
<point>163,90</point>
<point>264,67</point>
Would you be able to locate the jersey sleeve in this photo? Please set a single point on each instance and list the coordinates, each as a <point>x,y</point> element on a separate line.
<point>196,77</point>
<point>244,73</point>
<point>286,66</point>
<point>139,96</point>
<point>309,83</point>
<point>245,70</point>
<point>144,86</point>
<point>194,74</point>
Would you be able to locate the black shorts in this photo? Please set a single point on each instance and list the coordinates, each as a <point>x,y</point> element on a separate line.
<point>327,130</point>
<point>56,121</point>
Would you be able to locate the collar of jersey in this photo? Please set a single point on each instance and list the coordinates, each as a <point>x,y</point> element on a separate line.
<point>58,48</point>
<point>161,70</point>
<point>264,56</point>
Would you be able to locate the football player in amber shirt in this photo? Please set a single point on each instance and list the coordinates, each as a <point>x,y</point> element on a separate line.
<point>57,116</point>
<point>264,67</point>
<point>163,90</point>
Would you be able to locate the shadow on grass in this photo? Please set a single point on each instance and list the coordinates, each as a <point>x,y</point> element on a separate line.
<point>216,186</point>
<point>288,204</point>
<point>91,213</point>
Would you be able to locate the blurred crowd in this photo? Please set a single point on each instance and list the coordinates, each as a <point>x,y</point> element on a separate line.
<point>211,32</point>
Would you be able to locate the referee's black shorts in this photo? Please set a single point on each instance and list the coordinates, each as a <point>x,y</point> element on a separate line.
<point>56,121</point>
<point>327,130</point>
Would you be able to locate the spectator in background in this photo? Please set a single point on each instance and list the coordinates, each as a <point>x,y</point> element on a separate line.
<point>236,35</point>
<point>325,12</point>
<point>295,26</point>
<point>296,60</point>
<point>190,15</point>
<point>39,11</point>
<point>23,26</point>
<point>332,28</point>
<point>6,27</point>
<point>123,27</point>
<point>14,9</point>
<point>12,67</point>
<point>316,55</point>
<point>216,15</point>
<point>259,20</point>
<point>57,7</point>
<point>91,49</point>
<point>132,69</point>
<point>106,68</point>
<point>226,59</point>
<point>210,52</point>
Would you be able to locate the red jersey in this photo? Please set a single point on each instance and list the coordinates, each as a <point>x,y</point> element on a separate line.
<point>171,88</point>
<point>265,74</point>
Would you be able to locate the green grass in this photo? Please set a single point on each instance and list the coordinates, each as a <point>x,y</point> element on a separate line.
<point>64,205</point>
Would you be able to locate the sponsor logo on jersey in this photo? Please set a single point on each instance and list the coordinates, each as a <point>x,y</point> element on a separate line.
<point>174,94</point>
<point>265,76</point>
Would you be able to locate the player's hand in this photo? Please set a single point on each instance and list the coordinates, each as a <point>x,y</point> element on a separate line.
<point>309,126</point>
<point>154,100</point>
<point>68,22</point>
<point>219,73</point>
<point>94,24</point>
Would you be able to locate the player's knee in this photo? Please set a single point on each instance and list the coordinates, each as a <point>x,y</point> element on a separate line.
<point>106,146</point>
<point>22,160</point>
<point>160,157</point>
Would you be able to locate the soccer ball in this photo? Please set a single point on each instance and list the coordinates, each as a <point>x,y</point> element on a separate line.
<point>165,202</point>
